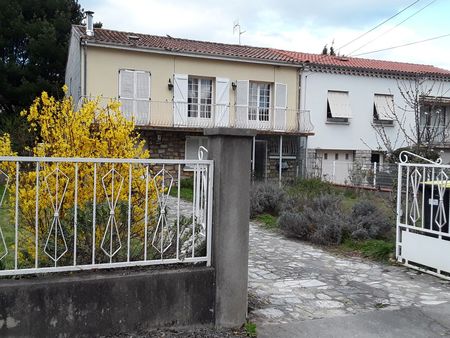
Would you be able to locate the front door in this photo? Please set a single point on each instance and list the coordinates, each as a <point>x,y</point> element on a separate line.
<point>260,160</point>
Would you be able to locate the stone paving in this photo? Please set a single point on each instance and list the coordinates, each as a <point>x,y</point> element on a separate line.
<point>292,281</point>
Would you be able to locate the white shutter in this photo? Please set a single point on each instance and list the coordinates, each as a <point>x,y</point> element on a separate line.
<point>339,104</point>
<point>180,96</point>
<point>222,111</point>
<point>242,87</point>
<point>384,104</point>
<point>126,92</point>
<point>142,98</point>
<point>280,106</point>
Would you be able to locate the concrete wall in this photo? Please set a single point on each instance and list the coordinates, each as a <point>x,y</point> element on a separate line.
<point>103,65</point>
<point>92,303</point>
<point>358,134</point>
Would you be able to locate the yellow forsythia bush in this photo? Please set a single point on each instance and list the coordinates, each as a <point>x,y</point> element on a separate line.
<point>91,131</point>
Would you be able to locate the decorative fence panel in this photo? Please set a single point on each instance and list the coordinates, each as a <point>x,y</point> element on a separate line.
<point>423,209</point>
<point>66,214</point>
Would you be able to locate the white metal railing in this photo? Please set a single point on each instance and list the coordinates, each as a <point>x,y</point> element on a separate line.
<point>355,173</point>
<point>66,214</point>
<point>196,115</point>
<point>423,209</point>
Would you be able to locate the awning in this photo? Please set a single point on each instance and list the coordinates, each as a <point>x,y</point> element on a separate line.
<point>384,105</point>
<point>339,104</point>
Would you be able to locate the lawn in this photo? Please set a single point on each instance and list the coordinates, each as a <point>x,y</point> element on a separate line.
<point>186,189</point>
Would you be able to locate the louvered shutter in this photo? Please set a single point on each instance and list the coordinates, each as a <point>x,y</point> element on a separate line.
<point>222,109</point>
<point>339,104</point>
<point>280,106</point>
<point>180,96</point>
<point>142,98</point>
<point>126,92</point>
<point>242,87</point>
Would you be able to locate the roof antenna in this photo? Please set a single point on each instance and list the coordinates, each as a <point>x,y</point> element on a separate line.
<point>238,26</point>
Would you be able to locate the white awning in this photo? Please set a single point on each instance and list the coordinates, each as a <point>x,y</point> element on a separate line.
<point>384,105</point>
<point>339,104</point>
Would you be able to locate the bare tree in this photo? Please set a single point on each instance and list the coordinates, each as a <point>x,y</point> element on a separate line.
<point>421,123</point>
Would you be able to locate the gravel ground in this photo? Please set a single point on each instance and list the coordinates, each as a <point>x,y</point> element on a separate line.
<point>186,333</point>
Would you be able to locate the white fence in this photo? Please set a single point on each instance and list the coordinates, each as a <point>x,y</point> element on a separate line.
<point>65,214</point>
<point>355,173</point>
<point>423,209</point>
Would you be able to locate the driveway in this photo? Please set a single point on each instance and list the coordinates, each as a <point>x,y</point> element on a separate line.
<point>300,290</point>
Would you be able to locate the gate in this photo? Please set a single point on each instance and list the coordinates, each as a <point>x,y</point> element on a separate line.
<point>423,209</point>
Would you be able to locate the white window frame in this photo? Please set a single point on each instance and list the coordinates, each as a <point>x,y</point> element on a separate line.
<point>198,104</point>
<point>258,109</point>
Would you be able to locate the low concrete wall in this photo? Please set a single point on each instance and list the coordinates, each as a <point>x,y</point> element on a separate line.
<point>90,304</point>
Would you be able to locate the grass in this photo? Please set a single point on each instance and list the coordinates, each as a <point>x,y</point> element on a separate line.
<point>380,250</point>
<point>186,189</point>
<point>268,221</point>
<point>250,329</point>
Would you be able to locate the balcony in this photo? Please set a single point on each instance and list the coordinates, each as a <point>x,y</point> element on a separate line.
<point>185,115</point>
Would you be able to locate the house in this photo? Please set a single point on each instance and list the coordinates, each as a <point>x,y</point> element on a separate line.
<point>174,88</point>
<point>358,105</point>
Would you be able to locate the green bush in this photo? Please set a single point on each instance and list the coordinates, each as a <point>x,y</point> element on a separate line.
<point>368,221</point>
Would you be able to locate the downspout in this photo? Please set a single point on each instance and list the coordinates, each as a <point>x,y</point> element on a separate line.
<point>83,68</point>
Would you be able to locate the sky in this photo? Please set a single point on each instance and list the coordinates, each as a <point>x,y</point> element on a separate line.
<point>298,25</point>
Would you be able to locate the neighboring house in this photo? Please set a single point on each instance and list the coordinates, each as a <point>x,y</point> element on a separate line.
<point>174,88</point>
<point>349,97</point>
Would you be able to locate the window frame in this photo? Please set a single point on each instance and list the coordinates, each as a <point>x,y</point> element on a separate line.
<point>333,119</point>
<point>199,105</point>
<point>254,108</point>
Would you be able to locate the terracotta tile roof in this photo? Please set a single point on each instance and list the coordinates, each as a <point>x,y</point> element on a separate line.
<point>176,45</point>
<point>366,64</point>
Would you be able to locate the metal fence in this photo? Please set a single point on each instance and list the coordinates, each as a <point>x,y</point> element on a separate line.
<point>354,173</point>
<point>423,215</point>
<point>65,214</point>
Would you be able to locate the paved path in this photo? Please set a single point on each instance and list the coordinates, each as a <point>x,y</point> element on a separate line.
<point>291,281</point>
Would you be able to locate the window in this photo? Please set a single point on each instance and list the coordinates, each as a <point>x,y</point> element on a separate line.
<point>290,146</point>
<point>325,156</point>
<point>192,145</point>
<point>199,98</point>
<point>259,102</point>
<point>383,109</point>
<point>336,156</point>
<point>338,107</point>
<point>346,156</point>
<point>134,94</point>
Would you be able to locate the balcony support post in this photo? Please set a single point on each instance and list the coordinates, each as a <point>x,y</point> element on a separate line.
<point>280,161</point>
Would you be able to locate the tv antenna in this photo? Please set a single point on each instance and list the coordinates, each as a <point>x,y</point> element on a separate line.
<point>237,26</point>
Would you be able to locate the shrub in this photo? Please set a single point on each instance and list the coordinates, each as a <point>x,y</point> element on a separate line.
<point>368,221</point>
<point>320,222</point>
<point>266,198</point>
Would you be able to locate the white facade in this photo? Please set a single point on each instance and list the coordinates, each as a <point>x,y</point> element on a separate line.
<point>353,97</point>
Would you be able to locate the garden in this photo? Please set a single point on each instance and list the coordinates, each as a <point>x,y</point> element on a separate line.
<point>345,220</point>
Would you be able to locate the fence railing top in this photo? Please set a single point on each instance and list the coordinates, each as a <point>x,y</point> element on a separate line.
<point>405,155</point>
<point>101,160</point>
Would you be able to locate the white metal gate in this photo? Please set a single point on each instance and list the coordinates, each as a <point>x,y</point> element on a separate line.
<point>423,209</point>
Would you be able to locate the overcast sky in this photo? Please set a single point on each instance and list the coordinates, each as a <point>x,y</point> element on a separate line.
<point>297,25</point>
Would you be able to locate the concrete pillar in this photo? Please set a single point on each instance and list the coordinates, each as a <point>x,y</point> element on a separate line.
<point>231,150</point>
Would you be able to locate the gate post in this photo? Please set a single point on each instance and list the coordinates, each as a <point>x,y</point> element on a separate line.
<point>231,150</point>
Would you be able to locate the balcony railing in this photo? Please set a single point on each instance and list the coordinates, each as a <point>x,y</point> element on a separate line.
<point>436,135</point>
<point>188,115</point>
